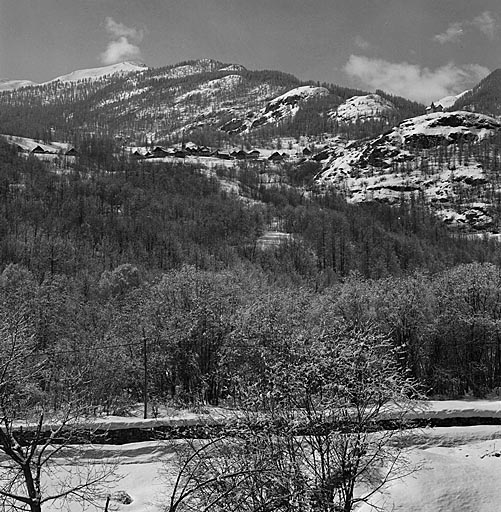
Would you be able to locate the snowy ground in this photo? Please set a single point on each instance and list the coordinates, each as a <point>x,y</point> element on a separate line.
<point>460,470</point>
<point>460,467</point>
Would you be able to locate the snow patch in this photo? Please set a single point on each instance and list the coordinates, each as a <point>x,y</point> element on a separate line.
<point>449,101</point>
<point>121,68</point>
<point>371,107</point>
<point>282,107</point>
<point>12,85</point>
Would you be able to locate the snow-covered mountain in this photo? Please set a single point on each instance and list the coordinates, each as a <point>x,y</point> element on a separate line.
<point>484,97</point>
<point>429,156</point>
<point>138,104</point>
<point>120,68</point>
<point>448,101</point>
<point>197,67</point>
<point>371,107</point>
<point>282,107</point>
<point>11,85</point>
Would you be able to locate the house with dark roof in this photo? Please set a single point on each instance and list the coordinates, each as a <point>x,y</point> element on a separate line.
<point>137,155</point>
<point>159,152</point>
<point>254,154</point>
<point>434,108</point>
<point>222,156</point>
<point>240,155</point>
<point>204,151</point>
<point>276,157</point>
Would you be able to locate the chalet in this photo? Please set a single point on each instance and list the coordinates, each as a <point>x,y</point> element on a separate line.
<point>306,152</point>
<point>191,148</point>
<point>222,156</point>
<point>71,152</point>
<point>204,151</point>
<point>434,108</point>
<point>254,154</point>
<point>20,149</point>
<point>159,152</point>
<point>39,150</point>
<point>240,155</point>
<point>276,157</point>
<point>180,153</point>
<point>137,156</point>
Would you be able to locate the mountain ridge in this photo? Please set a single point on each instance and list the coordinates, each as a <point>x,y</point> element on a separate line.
<point>156,104</point>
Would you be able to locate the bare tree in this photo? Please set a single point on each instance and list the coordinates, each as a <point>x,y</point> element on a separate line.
<point>321,434</point>
<point>39,452</point>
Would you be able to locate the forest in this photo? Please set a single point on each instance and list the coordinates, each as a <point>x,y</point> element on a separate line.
<point>110,262</point>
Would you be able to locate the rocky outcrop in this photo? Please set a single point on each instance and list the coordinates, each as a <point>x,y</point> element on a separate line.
<point>361,109</point>
<point>424,157</point>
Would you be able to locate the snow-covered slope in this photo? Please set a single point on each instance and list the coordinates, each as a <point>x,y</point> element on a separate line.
<point>197,67</point>
<point>425,157</point>
<point>96,73</point>
<point>370,107</point>
<point>453,468</point>
<point>30,144</point>
<point>449,101</point>
<point>10,85</point>
<point>282,107</point>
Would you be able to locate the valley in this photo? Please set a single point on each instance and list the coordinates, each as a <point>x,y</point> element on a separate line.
<point>202,237</point>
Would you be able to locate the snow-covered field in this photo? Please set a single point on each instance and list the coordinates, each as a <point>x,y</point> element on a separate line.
<point>459,468</point>
<point>459,471</point>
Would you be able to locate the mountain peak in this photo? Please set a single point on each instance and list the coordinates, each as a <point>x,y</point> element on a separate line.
<point>96,73</point>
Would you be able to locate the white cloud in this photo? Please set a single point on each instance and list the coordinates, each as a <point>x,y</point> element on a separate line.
<point>413,81</point>
<point>361,43</point>
<point>451,35</point>
<point>117,30</point>
<point>485,22</point>
<point>123,42</point>
<point>120,50</point>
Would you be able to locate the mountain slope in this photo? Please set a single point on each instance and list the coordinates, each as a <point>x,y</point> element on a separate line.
<point>449,101</point>
<point>120,68</point>
<point>140,104</point>
<point>11,85</point>
<point>448,160</point>
<point>370,107</point>
<point>485,97</point>
<point>282,107</point>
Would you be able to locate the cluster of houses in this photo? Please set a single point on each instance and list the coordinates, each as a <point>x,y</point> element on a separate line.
<point>190,150</point>
<point>39,150</point>
<point>187,150</point>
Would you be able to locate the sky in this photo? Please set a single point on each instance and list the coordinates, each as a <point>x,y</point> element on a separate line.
<point>420,49</point>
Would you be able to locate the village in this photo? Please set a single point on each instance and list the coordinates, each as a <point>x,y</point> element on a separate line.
<point>188,152</point>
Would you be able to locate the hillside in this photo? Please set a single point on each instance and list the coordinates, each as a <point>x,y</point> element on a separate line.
<point>448,160</point>
<point>484,98</point>
<point>203,97</point>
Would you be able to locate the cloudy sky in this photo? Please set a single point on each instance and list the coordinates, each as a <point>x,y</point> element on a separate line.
<point>421,49</point>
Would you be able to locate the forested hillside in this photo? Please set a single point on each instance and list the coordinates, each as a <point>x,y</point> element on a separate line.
<point>165,104</point>
<point>484,98</point>
<point>101,265</point>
